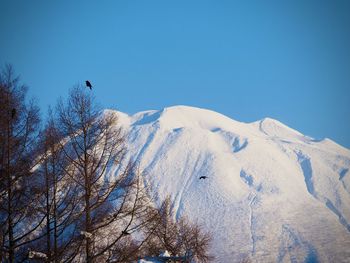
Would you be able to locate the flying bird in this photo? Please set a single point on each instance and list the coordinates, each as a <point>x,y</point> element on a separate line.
<point>88,84</point>
<point>13,113</point>
<point>203,177</point>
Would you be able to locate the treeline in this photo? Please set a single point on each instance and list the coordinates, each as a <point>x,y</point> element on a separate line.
<point>67,192</point>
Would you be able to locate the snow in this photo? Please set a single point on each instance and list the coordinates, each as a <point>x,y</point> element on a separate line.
<point>149,261</point>
<point>86,235</point>
<point>165,254</point>
<point>155,260</point>
<point>35,254</point>
<point>272,194</point>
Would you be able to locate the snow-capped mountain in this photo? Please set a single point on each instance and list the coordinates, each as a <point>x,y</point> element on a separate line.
<point>271,193</point>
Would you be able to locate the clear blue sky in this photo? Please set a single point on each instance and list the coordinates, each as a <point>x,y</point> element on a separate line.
<point>288,60</point>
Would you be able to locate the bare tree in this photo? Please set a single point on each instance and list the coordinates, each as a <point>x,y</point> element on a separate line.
<point>19,126</point>
<point>57,200</point>
<point>110,194</point>
<point>179,238</point>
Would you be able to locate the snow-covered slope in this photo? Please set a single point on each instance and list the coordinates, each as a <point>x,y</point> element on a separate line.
<point>272,194</point>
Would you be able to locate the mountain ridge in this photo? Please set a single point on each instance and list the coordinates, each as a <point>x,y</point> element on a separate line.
<point>158,113</point>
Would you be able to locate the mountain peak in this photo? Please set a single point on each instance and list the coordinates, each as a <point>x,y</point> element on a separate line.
<point>183,116</point>
<point>275,128</point>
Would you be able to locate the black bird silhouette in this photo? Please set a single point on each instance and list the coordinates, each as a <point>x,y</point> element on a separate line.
<point>13,113</point>
<point>203,177</point>
<point>125,233</point>
<point>88,84</point>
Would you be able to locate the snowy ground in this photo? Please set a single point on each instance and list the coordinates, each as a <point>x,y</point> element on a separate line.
<point>272,194</point>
